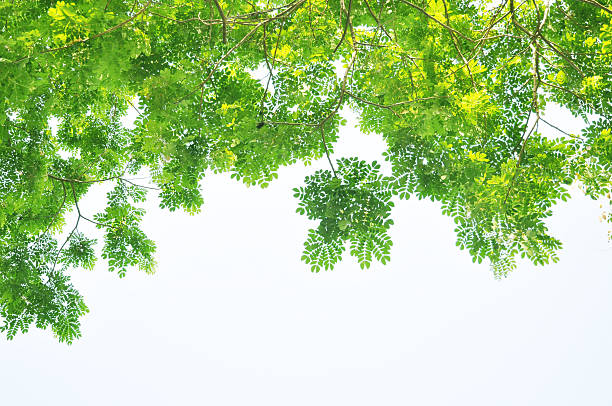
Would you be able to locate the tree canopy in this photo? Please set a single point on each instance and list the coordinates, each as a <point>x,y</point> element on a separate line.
<point>457,89</point>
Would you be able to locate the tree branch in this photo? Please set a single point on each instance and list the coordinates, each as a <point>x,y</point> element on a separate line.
<point>346,23</point>
<point>223,18</point>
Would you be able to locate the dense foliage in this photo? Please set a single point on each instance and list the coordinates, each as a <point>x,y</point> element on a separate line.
<point>456,88</point>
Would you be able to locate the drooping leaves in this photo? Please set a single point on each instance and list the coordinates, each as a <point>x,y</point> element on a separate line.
<point>458,91</point>
<point>353,204</point>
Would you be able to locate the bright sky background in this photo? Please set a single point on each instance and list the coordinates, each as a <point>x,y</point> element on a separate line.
<point>234,318</point>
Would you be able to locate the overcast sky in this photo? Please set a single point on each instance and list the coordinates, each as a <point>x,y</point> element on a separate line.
<point>233,317</point>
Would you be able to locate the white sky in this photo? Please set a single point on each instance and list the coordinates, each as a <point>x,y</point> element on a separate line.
<point>234,318</point>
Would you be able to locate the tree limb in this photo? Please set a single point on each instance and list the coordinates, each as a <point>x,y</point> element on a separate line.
<point>223,18</point>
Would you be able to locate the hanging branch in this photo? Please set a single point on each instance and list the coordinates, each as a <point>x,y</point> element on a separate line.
<point>327,150</point>
<point>223,18</point>
<point>270,67</point>
<point>378,22</point>
<point>347,22</point>
<point>558,129</point>
<point>335,110</point>
<point>538,34</point>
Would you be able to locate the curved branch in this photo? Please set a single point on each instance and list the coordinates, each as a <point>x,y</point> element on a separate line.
<point>346,23</point>
<point>223,18</point>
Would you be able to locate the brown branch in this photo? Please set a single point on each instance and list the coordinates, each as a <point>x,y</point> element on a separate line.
<point>342,91</point>
<point>554,47</point>
<point>312,30</point>
<point>346,23</point>
<point>220,60</point>
<point>558,129</point>
<point>534,98</point>
<point>222,14</point>
<point>210,27</point>
<point>270,67</point>
<point>210,22</point>
<point>265,50</point>
<point>291,123</point>
<point>82,181</point>
<point>321,124</point>
<point>382,27</point>
<point>561,53</point>
<point>481,41</point>
<point>544,82</point>
<point>140,114</point>
<point>71,232</point>
<point>137,185</point>
<point>80,215</point>
<point>382,106</point>
<point>327,150</point>
<point>78,181</point>
<point>333,113</point>
<point>536,80</point>
<point>64,244</point>
<point>267,11</point>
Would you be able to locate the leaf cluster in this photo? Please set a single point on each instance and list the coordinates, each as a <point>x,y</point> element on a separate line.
<point>457,90</point>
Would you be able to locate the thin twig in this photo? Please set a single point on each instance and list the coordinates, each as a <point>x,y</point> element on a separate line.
<point>270,67</point>
<point>382,27</point>
<point>558,129</point>
<point>346,23</point>
<point>82,181</point>
<point>137,185</point>
<point>382,106</point>
<point>327,150</point>
<point>71,232</point>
